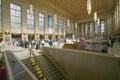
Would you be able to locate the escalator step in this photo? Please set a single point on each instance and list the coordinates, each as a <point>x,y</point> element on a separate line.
<point>43,60</point>
<point>39,72</point>
<point>33,64</point>
<point>57,75</point>
<point>44,78</point>
<point>30,67</point>
<point>32,59</point>
<point>33,71</point>
<point>27,61</point>
<point>40,75</point>
<point>36,66</point>
<point>48,65</point>
<point>37,69</point>
<point>54,72</point>
<point>50,68</point>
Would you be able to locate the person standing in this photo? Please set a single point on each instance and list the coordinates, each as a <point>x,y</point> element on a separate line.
<point>37,45</point>
<point>112,42</point>
<point>50,43</point>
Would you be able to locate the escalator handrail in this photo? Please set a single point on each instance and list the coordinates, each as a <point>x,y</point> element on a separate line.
<point>9,72</point>
<point>8,69</point>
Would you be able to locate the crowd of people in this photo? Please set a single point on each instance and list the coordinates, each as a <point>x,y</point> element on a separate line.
<point>29,44</point>
<point>52,43</point>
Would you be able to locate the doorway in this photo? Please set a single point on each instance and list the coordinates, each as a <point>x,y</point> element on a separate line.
<point>31,37</point>
<point>16,36</point>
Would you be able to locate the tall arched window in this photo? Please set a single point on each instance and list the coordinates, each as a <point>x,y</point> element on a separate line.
<point>80,28</point>
<point>15,15</point>
<point>41,21</point>
<point>91,27</point>
<point>50,25</point>
<point>96,28</point>
<point>30,20</point>
<point>0,15</point>
<point>61,26</point>
<point>56,25</point>
<point>102,26</point>
<point>86,28</point>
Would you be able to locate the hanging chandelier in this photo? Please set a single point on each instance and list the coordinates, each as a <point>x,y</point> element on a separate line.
<point>68,22</point>
<point>95,16</point>
<point>89,6</point>
<point>98,21</point>
<point>55,15</point>
<point>31,9</point>
<point>76,25</point>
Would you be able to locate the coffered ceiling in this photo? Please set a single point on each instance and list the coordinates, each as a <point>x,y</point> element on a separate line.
<point>77,8</point>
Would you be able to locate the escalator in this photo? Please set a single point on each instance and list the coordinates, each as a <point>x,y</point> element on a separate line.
<point>48,66</point>
<point>33,68</point>
<point>51,69</point>
<point>15,69</point>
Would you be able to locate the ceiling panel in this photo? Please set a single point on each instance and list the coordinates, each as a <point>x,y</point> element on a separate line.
<point>78,8</point>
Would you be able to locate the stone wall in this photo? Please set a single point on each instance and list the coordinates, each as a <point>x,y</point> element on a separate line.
<point>85,65</point>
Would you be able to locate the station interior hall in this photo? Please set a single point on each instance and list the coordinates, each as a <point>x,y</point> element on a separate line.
<point>59,39</point>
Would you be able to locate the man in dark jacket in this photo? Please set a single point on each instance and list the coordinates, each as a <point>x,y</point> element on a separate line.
<point>50,43</point>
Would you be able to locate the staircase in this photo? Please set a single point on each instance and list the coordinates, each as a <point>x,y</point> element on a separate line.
<point>48,66</point>
<point>33,67</point>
